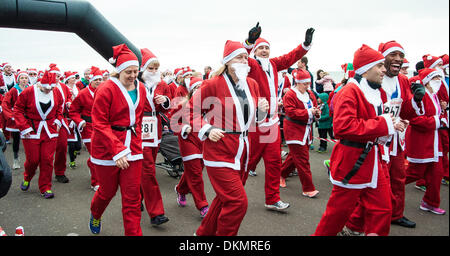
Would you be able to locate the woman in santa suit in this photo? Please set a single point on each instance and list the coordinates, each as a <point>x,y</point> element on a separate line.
<point>423,146</point>
<point>116,143</point>
<point>156,101</point>
<point>38,116</point>
<point>301,111</point>
<point>8,107</point>
<point>224,110</point>
<point>80,113</point>
<point>190,148</point>
<point>357,172</point>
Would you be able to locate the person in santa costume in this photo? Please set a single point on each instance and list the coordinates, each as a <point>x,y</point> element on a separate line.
<point>8,106</point>
<point>398,93</point>
<point>225,109</point>
<point>301,111</point>
<point>116,141</point>
<point>423,146</point>
<point>443,132</point>
<point>157,101</point>
<point>38,116</point>
<point>190,148</point>
<point>73,139</point>
<point>84,81</point>
<point>61,146</point>
<point>33,75</point>
<point>357,172</point>
<point>80,113</point>
<point>267,138</point>
<point>7,78</point>
<point>404,68</point>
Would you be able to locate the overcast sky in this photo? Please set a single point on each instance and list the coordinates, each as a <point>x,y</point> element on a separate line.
<point>193,33</point>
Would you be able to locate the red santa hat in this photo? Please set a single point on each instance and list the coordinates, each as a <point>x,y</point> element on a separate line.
<point>427,74</point>
<point>302,76</point>
<point>405,63</point>
<point>178,72</point>
<point>68,75</point>
<point>444,59</point>
<point>54,69</point>
<point>147,58</point>
<point>32,71</point>
<point>96,73</point>
<point>231,50</point>
<point>22,73</point>
<point>40,73</point>
<point>389,47</point>
<point>260,42</point>
<point>194,82</point>
<point>123,57</point>
<point>4,65</point>
<point>105,72</point>
<point>366,58</point>
<point>48,79</point>
<point>431,61</point>
<point>351,73</point>
<point>187,71</point>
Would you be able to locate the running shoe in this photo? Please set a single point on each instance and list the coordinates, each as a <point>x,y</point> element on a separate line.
<point>95,225</point>
<point>48,194</point>
<point>444,182</point>
<point>181,199</point>
<point>62,178</point>
<point>72,165</point>
<point>204,211</point>
<point>348,232</point>
<point>326,163</point>
<point>278,206</point>
<point>16,164</point>
<point>158,220</point>
<point>428,208</point>
<point>25,185</point>
<point>422,188</point>
<point>252,173</point>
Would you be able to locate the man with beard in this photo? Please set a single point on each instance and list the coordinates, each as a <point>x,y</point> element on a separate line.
<point>7,79</point>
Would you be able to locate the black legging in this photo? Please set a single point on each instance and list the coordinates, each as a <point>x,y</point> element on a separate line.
<point>16,143</point>
<point>73,147</point>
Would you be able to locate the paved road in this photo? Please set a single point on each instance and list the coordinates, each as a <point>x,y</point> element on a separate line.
<point>68,213</point>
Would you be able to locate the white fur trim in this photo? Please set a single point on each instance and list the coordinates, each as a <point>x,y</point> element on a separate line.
<point>126,64</point>
<point>389,123</point>
<point>233,54</point>
<point>393,49</point>
<point>366,67</point>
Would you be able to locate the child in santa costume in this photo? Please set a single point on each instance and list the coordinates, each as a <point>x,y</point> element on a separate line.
<point>116,143</point>
<point>38,116</point>
<point>80,113</point>
<point>301,111</point>
<point>357,172</point>
<point>157,100</point>
<point>225,108</point>
<point>61,146</point>
<point>8,106</point>
<point>267,137</point>
<point>423,146</point>
<point>190,148</point>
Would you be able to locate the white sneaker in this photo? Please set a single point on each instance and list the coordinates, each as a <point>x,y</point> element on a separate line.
<point>284,154</point>
<point>16,164</point>
<point>252,173</point>
<point>95,188</point>
<point>278,206</point>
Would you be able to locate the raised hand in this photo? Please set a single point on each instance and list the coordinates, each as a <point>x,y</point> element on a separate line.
<point>309,36</point>
<point>254,34</point>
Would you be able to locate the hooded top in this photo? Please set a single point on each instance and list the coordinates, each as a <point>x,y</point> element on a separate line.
<point>325,121</point>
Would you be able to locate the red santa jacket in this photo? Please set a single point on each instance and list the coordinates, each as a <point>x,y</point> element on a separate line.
<point>114,108</point>
<point>8,106</point>
<point>298,108</point>
<point>30,118</point>
<point>422,139</point>
<point>268,84</point>
<point>215,104</point>
<point>152,110</point>
<point>80,112</point>
<point>358,118</point>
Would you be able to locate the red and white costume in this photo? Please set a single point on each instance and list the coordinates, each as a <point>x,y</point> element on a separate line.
<point>358,120</point>
<point>41,129</point>
<point>116,133</point>
<point>267,135</point>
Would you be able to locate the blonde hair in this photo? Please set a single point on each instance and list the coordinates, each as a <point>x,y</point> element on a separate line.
<point>220,71</point>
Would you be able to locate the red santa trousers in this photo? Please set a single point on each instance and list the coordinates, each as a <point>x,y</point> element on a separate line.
<point>299,158</point>
<point>192,182</point>
<point>432,174</point>
<point>443,136</point>
<point>91,166</point>
<point>228,208</point>
<point>129,180</point>
<point>61,152</point>
<point>376,203</point>
<point>150,187</point>
<point>397,173</point>
<point>271,154</point>
<point>40,152</point>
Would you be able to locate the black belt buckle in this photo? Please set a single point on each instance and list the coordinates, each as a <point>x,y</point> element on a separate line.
<point>245,134</point>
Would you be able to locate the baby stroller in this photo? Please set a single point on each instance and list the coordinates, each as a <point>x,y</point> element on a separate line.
<point>169,149</point>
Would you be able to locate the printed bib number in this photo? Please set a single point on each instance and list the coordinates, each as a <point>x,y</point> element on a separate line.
<point>393,107</point>
<point>149,126</point>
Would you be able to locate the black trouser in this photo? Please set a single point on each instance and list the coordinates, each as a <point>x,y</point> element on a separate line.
<point>323,135</point>
<point>73,147</point>
<point>16,143</point>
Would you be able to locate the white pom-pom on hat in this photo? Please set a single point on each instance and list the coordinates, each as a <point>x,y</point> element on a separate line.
<point>112,60</point>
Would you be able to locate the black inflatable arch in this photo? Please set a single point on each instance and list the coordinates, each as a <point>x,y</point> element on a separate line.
<point>76,16</point>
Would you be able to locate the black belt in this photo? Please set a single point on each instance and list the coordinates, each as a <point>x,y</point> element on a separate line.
<point>150,113</point>
<point>295,121</point>
<point>245,133</point>
<point>367,147</point>
<point>88,119</point>
<point>124,128</point>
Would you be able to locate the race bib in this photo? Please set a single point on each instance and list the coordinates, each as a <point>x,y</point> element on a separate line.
<point>393,106</point>
<point>149,126</point>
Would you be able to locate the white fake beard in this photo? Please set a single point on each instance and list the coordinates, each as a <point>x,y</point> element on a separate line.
<point>151,78</point>
<point>264,63</point>
<point>435,85</point>
<point>241,70</point>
